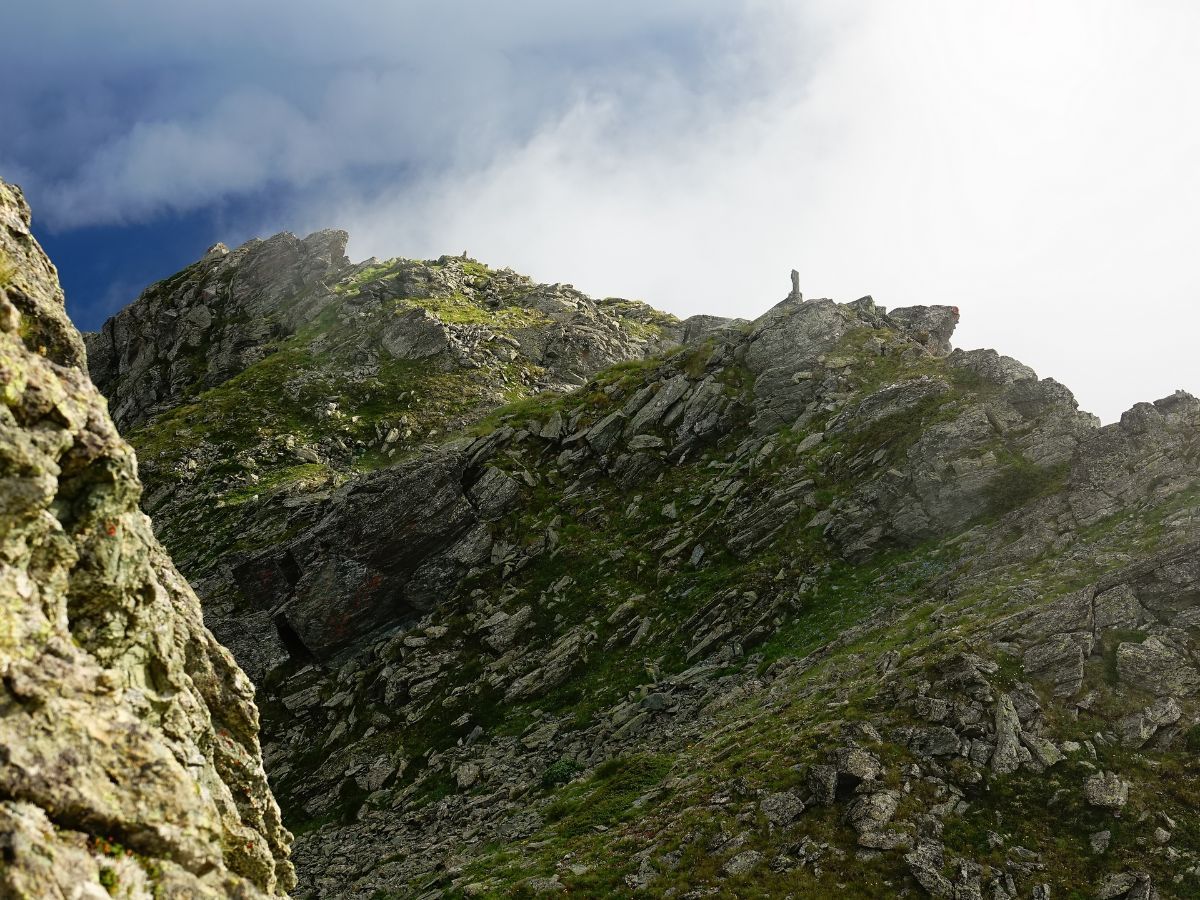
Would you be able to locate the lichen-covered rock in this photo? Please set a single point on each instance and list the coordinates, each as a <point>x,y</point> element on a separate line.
<point>932,326</point>
<point>123,724</point>
<point>31,282</point>
<point>1007,757</point>
<point>1106,790</point>
<point>781,809</point>
<point>1158,667</point>
<point>786,342</point>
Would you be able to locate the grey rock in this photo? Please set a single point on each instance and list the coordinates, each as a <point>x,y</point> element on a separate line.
<point>781,809</point>
<point>932,326</point>
<point>493,494</point>
<point>696,329</point>
<point>925,862</point>
<point>822,781</point>
<point>1044,753</point>
<point>1117,607</point>
<point>388,548</point>
<point>885,840</point>
<point>742,863</point>
<point>466,776</point>
<point>1058,661</point>
<point>645,442</point>
<point>120,713</point>
<point>605,433</point>
<point>869,813</point>
<point>502,630</point>
<point>1106,790</point>
<point>139,359</point>
<point>1007,757</point>
<point>855,765</point>
<point>810,441</point>
<point>1137,728</point>
<point>991,366</point>
<point>1157,667</point>
<point>788,339</point>
<point>650,415</point>
<point>939,741</point>
<point>1128,885</point>
<point>416,334</point>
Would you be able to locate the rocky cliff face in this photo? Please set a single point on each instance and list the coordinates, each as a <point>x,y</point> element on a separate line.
<point>211,321</point>
<point>257,381</point>
<point>129,756</point>
<point>811,606</point>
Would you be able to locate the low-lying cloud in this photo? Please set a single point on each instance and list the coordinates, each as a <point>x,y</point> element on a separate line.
<point>1029,164</point>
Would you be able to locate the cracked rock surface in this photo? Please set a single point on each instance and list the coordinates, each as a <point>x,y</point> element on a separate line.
<point>129,755</point>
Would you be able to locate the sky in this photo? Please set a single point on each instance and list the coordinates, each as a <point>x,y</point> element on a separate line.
<point>1033,163</point>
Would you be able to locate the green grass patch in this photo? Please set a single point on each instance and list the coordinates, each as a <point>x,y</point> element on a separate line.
<point>606,798</point>
<point>1020,482</point>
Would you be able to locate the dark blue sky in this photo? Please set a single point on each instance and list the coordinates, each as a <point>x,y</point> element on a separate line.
<point>103,268</point>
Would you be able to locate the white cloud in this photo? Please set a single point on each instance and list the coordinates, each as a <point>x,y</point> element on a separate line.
<point>134,109</point>
<point>1031,162</point>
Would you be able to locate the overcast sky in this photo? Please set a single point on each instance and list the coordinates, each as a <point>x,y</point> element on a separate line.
<point>1035,163</point>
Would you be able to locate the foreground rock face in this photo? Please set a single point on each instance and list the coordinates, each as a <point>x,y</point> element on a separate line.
<point>129,758</point>
<point>814,605</point>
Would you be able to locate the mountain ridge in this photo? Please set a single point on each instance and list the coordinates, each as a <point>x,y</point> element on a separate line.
<point>807,605</point>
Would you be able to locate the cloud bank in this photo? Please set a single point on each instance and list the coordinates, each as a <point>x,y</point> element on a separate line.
<point>1031,163</point>
<point>140,108</point>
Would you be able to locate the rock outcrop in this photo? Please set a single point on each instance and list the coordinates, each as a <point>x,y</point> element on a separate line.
<point>211,321</point>
<point>232,309</point>
<point>129,755</point>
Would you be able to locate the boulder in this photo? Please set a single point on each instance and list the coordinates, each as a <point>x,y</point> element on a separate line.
<point>782,808</point>
<point>1157,667</point>
<point>868,813</point>
<point>932,326</point>
<point>1009,754</point>
<point>415,334</point>
<point>1106,790</point>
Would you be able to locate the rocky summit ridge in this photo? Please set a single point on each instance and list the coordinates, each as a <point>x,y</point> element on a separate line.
<point>258,381</point>
<point>548,594</point>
